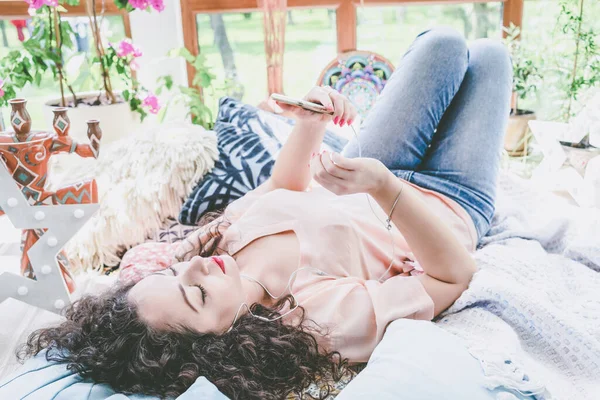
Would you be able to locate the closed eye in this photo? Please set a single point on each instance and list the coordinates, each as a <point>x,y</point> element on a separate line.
<point>203,291</point>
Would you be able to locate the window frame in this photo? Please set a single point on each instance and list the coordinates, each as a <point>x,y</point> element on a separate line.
<point>512,12</point>
<point>18,9</point>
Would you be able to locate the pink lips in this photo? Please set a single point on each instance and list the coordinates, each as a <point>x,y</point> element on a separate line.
<point>219,262</point>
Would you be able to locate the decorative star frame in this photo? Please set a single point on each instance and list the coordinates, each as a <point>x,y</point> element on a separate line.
<point>63,222</point>
<point>555,173</point>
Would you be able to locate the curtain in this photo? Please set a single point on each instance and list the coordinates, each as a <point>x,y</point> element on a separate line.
<point>275,17</point>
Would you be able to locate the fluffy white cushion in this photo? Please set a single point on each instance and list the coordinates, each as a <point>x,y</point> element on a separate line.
<point>142,181</point>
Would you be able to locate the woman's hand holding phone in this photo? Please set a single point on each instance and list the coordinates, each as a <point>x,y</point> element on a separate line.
<point>344,112</point>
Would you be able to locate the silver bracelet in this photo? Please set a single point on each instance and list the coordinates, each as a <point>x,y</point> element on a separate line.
<point>389,220</point>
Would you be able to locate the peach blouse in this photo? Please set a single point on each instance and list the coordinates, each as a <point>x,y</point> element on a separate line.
<point>340,236</point>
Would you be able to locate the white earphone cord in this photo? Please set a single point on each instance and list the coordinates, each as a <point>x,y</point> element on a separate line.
<point>315,270</point>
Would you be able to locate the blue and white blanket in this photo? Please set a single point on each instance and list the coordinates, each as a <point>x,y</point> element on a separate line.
<point>531,315</point>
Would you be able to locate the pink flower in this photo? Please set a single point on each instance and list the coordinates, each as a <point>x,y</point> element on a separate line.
<point>1,90</point>
<point>35,4</point>
<point>141,4</point>
<point>151,101</point>
<point>126,48</point>
<point>158,5</point>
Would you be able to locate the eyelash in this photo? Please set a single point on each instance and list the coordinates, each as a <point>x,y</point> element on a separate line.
<point>202,290</point>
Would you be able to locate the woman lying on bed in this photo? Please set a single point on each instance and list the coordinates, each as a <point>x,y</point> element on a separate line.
<point>291,282</point>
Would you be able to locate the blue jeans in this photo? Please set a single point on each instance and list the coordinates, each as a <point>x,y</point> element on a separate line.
<point>440,121</point>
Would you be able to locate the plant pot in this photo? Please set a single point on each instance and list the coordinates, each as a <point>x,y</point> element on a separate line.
<point>515,139</point>
<point>116,120</point>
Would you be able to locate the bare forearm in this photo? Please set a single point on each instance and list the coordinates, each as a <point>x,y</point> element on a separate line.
<point>291,168</point>
<point>440,254</point>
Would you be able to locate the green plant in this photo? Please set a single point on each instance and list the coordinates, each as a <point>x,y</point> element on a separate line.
<point>526,74</point>
<point>582,67</point>
<point>16,71</point>
<point>191,97</point>
<point>44,52</point>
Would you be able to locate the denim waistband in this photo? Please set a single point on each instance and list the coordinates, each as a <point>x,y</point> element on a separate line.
<point>479,209</point>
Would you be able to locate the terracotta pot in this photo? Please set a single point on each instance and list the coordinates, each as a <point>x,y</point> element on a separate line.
<point>19,117</point>
<point>61,122</point>
<point>515,139</point>
<point>117,119</point>
<point>94,134</point>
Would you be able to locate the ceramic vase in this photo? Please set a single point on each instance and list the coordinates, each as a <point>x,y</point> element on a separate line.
<point>94,134</point>
<point>61,122</point>
<point>19,117</point>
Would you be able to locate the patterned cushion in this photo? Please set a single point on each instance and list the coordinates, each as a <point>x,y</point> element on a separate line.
<point>145,259</point>
<point>249,141</point>
<point>170,232</point>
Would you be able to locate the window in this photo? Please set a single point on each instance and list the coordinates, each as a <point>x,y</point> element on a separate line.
<point>234,46</point>
<point>552,51</point>
<point>75,67</point>
<point>390,30</point>
<point>310,44</point>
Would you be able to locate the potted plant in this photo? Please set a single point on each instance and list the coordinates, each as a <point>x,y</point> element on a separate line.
<point>525,78</point>
<point>192,98</point>
<point>576,69</point>
<point>579,69</point>
<point>43,53</point>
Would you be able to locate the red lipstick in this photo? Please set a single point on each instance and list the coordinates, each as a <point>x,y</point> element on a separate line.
<point>219,262</point>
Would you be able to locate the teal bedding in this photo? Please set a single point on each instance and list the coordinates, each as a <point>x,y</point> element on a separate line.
<point>41,380</point>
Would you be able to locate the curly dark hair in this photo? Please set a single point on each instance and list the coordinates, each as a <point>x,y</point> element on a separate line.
<point>104,338</point>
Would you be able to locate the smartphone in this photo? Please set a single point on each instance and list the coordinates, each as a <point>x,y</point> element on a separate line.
<point>307,105</point>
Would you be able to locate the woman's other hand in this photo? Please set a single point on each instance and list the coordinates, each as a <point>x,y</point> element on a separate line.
<point>344,113</point>
<point>342,175</point>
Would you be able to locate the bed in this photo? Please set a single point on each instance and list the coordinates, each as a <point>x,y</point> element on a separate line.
<point>527,327</point>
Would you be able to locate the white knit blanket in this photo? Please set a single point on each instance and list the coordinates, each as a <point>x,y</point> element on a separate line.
<point>531,315</point>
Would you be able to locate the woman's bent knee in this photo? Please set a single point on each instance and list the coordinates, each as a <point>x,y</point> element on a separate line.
<point>445,41</point>
<point>491,55</point>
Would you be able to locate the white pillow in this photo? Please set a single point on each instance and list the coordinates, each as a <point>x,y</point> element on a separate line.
<point>416,360</point>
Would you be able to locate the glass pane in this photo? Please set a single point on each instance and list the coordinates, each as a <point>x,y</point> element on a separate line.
<point>75,65</point>
<point>233,44</point>
<point>310,44</point>
<point>238,50</point>
<point>390,30</point>
<point>552,52</point>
